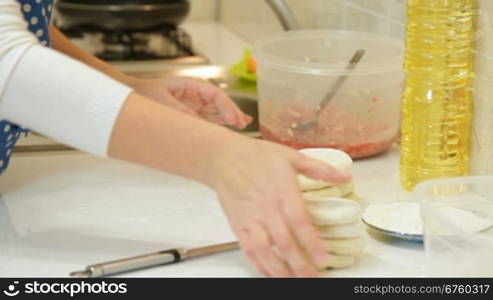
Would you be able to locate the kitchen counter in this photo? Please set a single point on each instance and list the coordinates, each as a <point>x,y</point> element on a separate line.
<point>62,211</point>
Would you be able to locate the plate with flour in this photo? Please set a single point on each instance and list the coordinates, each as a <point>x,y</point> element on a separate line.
<point>403,220</point>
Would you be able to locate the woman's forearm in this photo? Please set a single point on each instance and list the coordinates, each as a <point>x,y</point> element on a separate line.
<point>62,44</point>
<point>154,135</point>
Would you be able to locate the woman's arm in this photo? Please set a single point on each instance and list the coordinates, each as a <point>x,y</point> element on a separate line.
<point>199,99</point>
<point>51,93</point>
<point>255,180</point>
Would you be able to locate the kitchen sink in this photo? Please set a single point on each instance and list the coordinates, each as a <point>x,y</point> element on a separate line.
<point>250,107</point>
<point>242,93</point>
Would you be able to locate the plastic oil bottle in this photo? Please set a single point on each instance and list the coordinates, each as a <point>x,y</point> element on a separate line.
<point>437,104</point>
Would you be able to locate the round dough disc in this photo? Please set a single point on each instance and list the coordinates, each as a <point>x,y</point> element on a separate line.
<point>353,246</point>
<point>334,211</point>
<point>336,158</point>
<point>329,192</point>
<point>337,261</point>
<point>341,231</point>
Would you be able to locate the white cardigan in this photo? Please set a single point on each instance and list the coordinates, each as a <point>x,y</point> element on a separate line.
<point>51,93</point>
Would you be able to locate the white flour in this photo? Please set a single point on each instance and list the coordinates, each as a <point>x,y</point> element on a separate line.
<point>397,217</point>
<point>405,218</point>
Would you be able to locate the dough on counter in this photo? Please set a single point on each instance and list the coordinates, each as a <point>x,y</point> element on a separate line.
<point>354,246</point>
<point>338,220</point>
<point>347,231</point>
<point>336,158</point>
<point>337,261</point>
<point>328,192</point>
<point>347,189</point>
<point>334,211</point>
<point>355,198</point>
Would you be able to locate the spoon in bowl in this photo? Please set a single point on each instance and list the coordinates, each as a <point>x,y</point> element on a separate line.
<point>312,123</point>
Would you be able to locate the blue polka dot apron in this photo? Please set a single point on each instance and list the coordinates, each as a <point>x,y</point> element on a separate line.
<point>37,13</point>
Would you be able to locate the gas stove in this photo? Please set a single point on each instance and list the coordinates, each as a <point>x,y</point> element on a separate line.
<point>143,54</point>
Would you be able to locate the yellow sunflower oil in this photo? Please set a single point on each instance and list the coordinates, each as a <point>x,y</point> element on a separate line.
<point>437,101</point>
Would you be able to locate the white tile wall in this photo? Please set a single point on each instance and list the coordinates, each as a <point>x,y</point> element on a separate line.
<point>254,18</point>
<point>202,11</point>
<point>250,18</point>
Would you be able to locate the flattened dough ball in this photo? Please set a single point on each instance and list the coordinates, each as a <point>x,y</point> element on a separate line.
<point>329,192</point>
<point>337,261</point>
<point>336,158</point>
<point>354,246</point>
<point>334,211</point>
<point>347,231</point>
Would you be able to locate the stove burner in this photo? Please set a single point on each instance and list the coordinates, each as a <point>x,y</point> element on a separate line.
<point>168,43</point>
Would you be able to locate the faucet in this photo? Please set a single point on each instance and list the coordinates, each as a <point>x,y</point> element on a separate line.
<point>284,14</point>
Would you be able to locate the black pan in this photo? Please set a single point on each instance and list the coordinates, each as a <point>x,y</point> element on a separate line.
<point>121,15</point>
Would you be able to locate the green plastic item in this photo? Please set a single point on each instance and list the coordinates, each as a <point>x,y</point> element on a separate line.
<point>240,69</point>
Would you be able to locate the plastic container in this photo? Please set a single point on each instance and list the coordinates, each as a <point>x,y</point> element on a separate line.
<point>297,69</point>
<point>458,226</point>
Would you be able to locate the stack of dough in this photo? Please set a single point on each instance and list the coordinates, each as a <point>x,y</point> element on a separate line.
<point>338,219</point>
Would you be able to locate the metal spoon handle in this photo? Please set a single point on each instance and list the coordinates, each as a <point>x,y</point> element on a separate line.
<point>341,79</point>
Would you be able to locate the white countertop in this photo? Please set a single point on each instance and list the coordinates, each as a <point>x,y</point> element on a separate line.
<point>60,212</point>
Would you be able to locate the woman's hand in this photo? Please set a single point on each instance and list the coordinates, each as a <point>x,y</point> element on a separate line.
<point>255,180</point>
<point>257,185</point>
<point>195,97</point>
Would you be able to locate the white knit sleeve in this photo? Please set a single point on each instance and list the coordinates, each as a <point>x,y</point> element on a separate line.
<point>51,93</point>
